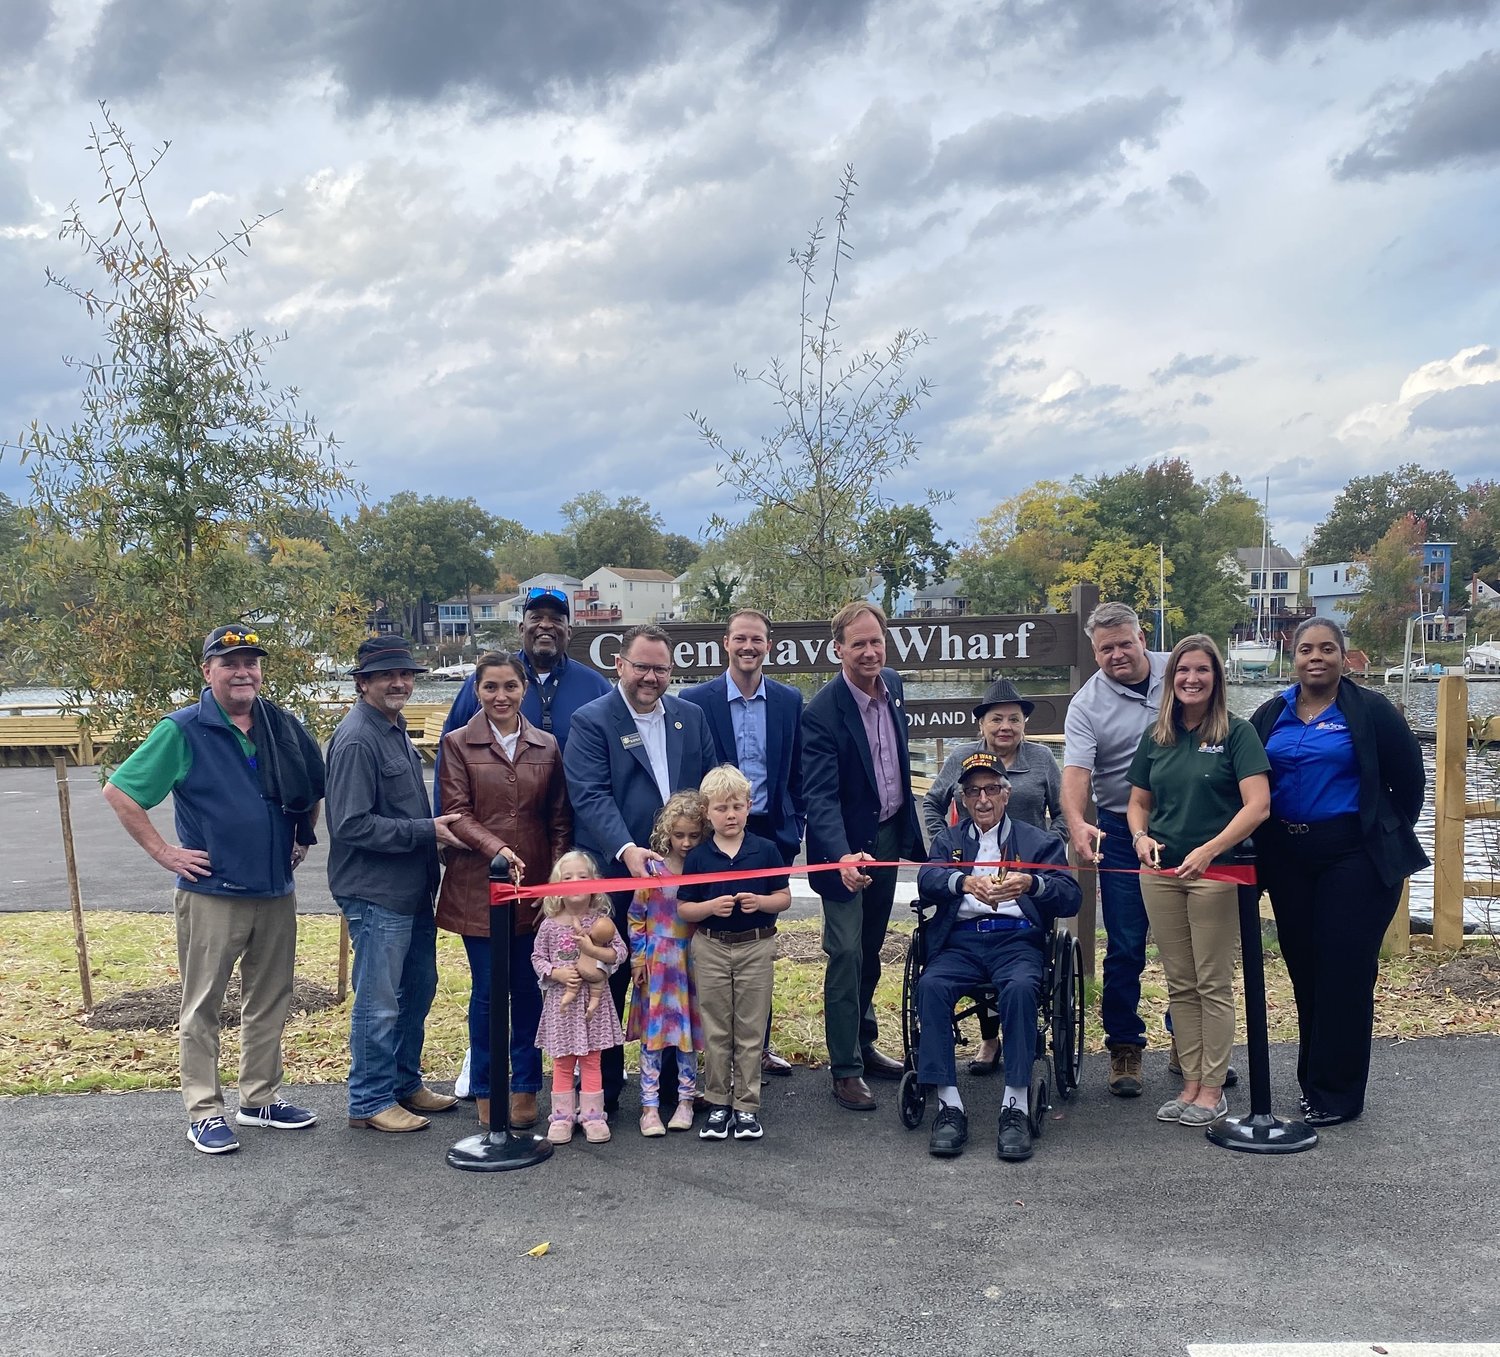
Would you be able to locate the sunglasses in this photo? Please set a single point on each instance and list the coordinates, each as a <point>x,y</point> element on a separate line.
<point>238,638</point>
<point>546,595</point>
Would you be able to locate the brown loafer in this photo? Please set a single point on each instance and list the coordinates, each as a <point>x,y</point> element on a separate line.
<point>878,1065</point>
<point>522,1110</point>
<point>424,1100</point>
<point>394,1119</point>
<point>854,1094</point>
<point>772,1063</point>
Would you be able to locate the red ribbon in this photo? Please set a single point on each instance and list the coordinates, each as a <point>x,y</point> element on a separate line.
<point>1238,874</point>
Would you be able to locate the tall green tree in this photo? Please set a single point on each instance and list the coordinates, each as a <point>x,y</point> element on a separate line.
<point>902,548</point>
<point>604,531</point>
<point>842,432</point>
<point>1391,570</point>
<point>183,457</point>
<point>414,550</point>
<point>1018,550</point>
<point>1364,510</point>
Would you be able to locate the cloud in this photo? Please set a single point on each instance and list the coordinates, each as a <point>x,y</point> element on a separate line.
<point>1465,407</point>
<point>1454,121</point>
<point>1199,365</point>
<point>504,53</point>
<point>1012,149</point>
<point>1273,25</point>
<point>1190,189</point>
<point>23,25</point>
<point>1015,213</point>
<point>1078,25</point>
<point>1449,396</point>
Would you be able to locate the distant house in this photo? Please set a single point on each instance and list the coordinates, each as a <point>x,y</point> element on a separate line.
<point>618,593</point>
<point>1334,590</point>
<point>1274,588</point>
<point>460,616</point>
<point>947,599</point>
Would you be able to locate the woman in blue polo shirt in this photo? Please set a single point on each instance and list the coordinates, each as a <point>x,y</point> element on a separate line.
<point>1347,785</point>
<point>1198,787</point>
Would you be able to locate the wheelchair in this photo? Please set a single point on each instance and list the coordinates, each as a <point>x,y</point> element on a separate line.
<point>1059,1021</point>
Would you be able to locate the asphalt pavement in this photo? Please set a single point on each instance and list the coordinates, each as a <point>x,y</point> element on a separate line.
<point>836,1234</point>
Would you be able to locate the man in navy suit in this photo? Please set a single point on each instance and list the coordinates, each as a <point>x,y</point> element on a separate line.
<point>992,926</point>
<point>627,752</point>
<point>756,725</point>
<point>856,777</point>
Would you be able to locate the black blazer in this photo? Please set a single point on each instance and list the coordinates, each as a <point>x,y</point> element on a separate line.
<point>838,780</point>
<point>784,808</point>
<point>1392,780</point>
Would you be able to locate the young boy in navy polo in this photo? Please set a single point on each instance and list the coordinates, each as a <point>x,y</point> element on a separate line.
<point>733,951</point>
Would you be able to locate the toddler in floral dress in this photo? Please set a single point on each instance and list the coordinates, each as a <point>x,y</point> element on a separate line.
<point>663,1007</point>
<point>573,1034</point>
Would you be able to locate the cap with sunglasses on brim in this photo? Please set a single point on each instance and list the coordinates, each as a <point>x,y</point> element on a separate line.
<point>226,640</point>
<point>379,654</point>
<point>982,762</point>
<point>546,596</point>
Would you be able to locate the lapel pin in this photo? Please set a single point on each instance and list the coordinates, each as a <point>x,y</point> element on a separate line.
<point>677,724</point>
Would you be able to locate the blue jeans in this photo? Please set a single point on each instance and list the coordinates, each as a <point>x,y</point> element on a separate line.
<point>395,978</point>
<point>1125,923</point>
<point>525,1014</point>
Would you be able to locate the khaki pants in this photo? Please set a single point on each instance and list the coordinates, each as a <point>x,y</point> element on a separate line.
<point>213,932</point>
<point>734,982</point>
<point>1195,924</point>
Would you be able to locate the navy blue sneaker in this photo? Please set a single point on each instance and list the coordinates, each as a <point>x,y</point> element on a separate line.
<point>717,1125</point>
<point>213,1136</point>
<point>282,1116</point>
<point>747,1126</point>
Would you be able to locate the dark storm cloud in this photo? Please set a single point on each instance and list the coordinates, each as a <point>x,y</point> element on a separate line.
<point>1077,25</point>
<point>1198,365</point>
<point>512,53</point>
<point>1453,121</point>
<point>1273,25</point>
<point>1013,148</point>
<point>23,25</point>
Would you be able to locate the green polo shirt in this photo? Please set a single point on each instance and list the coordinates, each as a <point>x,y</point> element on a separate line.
<point>160,762</point>
<point>1195,787</point>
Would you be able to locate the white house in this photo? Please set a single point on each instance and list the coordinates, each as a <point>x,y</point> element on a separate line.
<point>1334,589</point>
<point>618,593</point>
<point>1275,590</point>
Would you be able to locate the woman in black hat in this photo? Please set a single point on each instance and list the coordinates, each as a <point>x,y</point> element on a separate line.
<point>1035,798</point>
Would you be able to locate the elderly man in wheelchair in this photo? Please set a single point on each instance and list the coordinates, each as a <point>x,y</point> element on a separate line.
<point>992,925</point>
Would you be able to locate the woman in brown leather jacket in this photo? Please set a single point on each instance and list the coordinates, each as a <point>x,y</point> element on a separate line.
<point>503,778</point>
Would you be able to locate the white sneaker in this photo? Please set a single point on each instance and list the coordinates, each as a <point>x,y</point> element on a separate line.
<point>461,1084</point>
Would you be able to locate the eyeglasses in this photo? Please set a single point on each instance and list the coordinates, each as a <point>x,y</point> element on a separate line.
<point>238,638</point>
<point>986,790</point>
<point>546,595</point>
<point>660,671</point>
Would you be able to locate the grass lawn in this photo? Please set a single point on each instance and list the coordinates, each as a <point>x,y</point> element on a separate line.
<point>47,1044</point>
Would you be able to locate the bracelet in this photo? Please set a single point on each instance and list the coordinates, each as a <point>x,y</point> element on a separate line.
<point>1137,837</point>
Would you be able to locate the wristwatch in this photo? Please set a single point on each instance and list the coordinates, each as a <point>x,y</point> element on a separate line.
<point>1138,836</point>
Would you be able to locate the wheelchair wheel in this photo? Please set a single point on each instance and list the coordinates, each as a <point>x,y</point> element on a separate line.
<point>1037,1095</point>
<point>1067,1014</point>
<point>913,1101</point>
<point>911,1028</point>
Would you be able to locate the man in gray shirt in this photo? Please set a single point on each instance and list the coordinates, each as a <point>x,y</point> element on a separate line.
<point>383,873</point>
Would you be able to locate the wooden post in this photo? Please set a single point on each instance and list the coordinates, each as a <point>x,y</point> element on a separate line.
<point>80,940</point>
<point>1086,929</point>
<point>1448,816</point>
<point>1398,936</point>
<point>343,989</point>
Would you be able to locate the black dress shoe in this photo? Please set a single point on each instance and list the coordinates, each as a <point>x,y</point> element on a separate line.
<point>1315,1116</point>
<point>1015,1135</point>
<point>950,1133</point>
<point>771,1063</point>
<point>878,1065</point>
<point>1231,1077</point>
<point>853,1093</point>
<point>981,1067</point>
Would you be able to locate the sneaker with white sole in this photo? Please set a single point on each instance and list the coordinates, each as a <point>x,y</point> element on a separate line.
<point>717,1125</point>
<point>747,1126</point>
<point>280,1116</point>
<point>212,1136</point>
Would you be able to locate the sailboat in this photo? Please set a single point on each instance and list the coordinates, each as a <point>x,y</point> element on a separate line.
<point>1260,653</point>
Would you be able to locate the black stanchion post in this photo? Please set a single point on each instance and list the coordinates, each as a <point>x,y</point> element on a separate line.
<point>1261,1132</point>
<point>499,1148</point>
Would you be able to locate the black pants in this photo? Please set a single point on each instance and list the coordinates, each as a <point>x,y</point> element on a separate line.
<point>1332,910</point>
<point>612,1061</point>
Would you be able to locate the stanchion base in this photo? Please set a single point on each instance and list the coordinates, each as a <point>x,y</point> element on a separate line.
<point>1262,1134</point>
<point>496,1151</point>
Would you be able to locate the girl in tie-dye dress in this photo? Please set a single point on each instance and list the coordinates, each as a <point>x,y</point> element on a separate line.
<point>663,1007</point>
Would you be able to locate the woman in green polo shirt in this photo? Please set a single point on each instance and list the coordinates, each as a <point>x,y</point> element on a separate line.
<point>1199,786</point>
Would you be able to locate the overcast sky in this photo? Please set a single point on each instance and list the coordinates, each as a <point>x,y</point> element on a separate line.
<point>517,242</point>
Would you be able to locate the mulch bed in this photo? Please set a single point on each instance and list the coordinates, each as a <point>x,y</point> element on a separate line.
<point>159,1007</point>
<point>1472,975</point>
<point>806,945</point>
